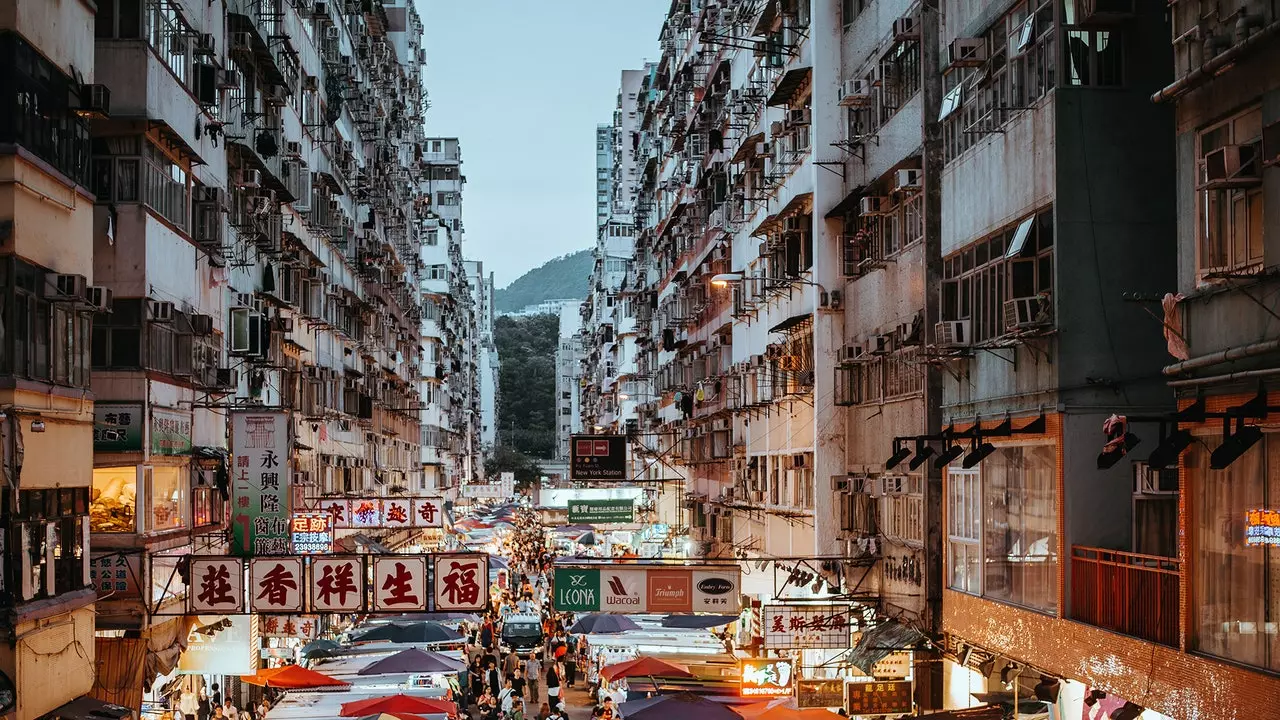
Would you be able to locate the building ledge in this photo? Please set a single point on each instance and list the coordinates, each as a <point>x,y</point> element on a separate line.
<point>51,607</point>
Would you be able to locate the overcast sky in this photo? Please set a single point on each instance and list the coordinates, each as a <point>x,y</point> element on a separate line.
<point>524,84</point>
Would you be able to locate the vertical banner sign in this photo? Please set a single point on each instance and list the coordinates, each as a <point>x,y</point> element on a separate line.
<point>275,585</point>
<point>261,477</point>
<point>217,586</point>
<point>460,582</point>
<point>337,584</point>
<point>399,583</point>
<point>577,590</point>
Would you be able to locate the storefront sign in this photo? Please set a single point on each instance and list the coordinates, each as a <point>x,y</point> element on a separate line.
<point>300,584</point>
<point>300,627</point>
<point>117,428</point>
<point>1262,527</point>
<point>312,533</point>
<point>826,693</point>
<point>655,589</point>
<point>878,698</point>
<point>806,626</point>
<point>769,677</point>
<point>598,457</point>
<point>261,477</point>
<point>895,666</point>
<point>602,511</point>
<point>170,432</point>
<point>564,497</point>
<point>116,575</point>
<point>382,513</point>
<point>220,645</point>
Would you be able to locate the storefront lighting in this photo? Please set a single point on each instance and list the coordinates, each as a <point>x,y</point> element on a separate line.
<point>977,453</point>
<point>1169,449</point>
<point>899,454</point>
<point>924,451</point>
<point>1235,444</point>
<point>950,453</point>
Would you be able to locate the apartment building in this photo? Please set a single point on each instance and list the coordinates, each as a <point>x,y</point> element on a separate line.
<point>46,306</point>
<point>604,171</point>
<point>486,355</point>
<point>569,354</point>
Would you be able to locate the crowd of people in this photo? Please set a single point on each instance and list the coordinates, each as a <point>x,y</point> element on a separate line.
<point>208,704</point>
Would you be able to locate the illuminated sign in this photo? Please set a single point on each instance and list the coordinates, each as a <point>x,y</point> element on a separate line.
<point>826,693</point>
<point>878,698</point>
<point>598,457</point>
<point>767,677</point>
<point>1262,527</point>
<point>312,533</point>
<point>806,626</point>
<point>654,589</point>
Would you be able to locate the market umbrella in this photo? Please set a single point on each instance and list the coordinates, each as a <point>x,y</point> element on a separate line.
<point>319,646</point>
<point>644,666</point>
<point>677,706</point>
<point>784,712</point>
<point>393,716</point>
<point>588,624</point>
<point>405,618</point>
<point>421,632</point>
<point>292,677</point>
<point>756,709</point>
<point>397,704</point>
<point>413,660</point>
<point>587,539</point>
<point>697,621</point>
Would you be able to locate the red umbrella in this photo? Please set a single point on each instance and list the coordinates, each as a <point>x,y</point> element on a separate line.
<point>293,677</point>
<point>397,704</point>
<point>782,712</point>
<point>644,667</point>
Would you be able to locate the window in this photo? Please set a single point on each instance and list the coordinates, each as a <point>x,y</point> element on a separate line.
<point>34,110</point>
<point>964,523</point>
<point>168,498</point>
<point>1236,584</point>
<point>1231,214</point>
<point>904,517</point>
<point>131,169</point>
<point>41,340</point>
<point>1014,264</point>
<point>48,541</point>
<point>900,78</point>
<point>115,500</point>
<point>1094,58</point>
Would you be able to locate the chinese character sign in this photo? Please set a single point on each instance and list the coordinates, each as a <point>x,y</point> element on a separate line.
<point>460,582</point>
<point>1262,527</point>
<point>399,583</point>
<point>391,513</point>
<point>396,513</point>
<point>312,533</point>
<point>366,513</point>
<point>261,476</point>
<point>170,432</point>
<point>767,677</point>
<point>806,626</point>
<point>428,512</point>
<point>878,698</point>
<point>302,627</point>
<point>337,584</point>
<point>117,428</point>
<point>216,585</point>
<point>115,575</point>
<point>275,584</point>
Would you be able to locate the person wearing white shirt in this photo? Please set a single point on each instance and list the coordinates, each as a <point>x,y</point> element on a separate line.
<point>188,704</point>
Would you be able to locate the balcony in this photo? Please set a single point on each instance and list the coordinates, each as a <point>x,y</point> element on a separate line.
<point>1129,593</point>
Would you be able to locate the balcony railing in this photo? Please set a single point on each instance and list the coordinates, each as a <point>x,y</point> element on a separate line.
<point>1129,593</point>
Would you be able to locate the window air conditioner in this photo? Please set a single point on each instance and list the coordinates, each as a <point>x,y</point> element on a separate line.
<point>1025,313</point>
<point>874,205</point>
<point>201,325</point>
<point>855,93</point>
<point>908,180</point>
<point>241,41</point>
<point>799,116</point>
<point>248,178</point>
<point>777,128</point>
<point>952,333</point>
<point>1232,166</point>
<point>904,29</point>
<point>65,287</point>
<point>160,311</point>
<point>849,354</point>
<point>332,33</point>
<point>204,44</point>
<point>99,298</point>
<point>967,52</point>
<point>228,79</point>
<point>95,100</point>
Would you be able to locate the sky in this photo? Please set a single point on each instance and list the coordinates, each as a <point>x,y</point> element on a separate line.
<point>523,84</point>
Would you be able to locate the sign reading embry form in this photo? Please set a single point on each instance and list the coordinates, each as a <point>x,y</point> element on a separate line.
<point>602,511</point>
<point>647,589</point>
<point>598,457</point>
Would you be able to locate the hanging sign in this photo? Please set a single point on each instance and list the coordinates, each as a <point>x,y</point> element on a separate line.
<point>1262,527</point>
<point>878,698</point>
<point>170,432</point>
<point>301,627</point>
<point>602,511</point>
<point>458,582</point>
<point>116,574</point>
<point>312,533</point>
<point>653,589</point>
<point>217,585</point>
<point>275,584</point>
<point>806,626</point>
<point>337,584</point>
<point>767,677</point>
<point>399,583</point>
<point>382,513</point>
<point>598,457</point>
<point>261,477</point>
<point>825,693</point>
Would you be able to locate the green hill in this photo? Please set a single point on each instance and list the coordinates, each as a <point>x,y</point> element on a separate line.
<point>568,276</point>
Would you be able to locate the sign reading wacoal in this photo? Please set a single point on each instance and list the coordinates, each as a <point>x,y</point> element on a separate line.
<point>598,457</point>
<point>656,589</point>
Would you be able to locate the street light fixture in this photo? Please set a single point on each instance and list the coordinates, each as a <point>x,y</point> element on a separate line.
<point>726,279</point>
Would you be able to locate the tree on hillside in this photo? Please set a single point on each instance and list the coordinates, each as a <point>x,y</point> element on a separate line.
<point>568,276</point>
<point>527,383</point>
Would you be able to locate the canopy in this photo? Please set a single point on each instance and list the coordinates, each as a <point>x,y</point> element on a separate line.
<point>783,712</point>
<point>644,666</point>
<point>397,704</point>
<point>756,709</point>
<point>294,677</point>
<point>393,716</point>
<point>413,660</point>
<point>678,706</point>
<point>688,622</point>
<point>588,624</point>
<point>319,646</point>
<point>421,632</point>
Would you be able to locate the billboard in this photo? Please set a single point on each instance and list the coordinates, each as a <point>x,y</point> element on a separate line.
<point>221,645</point>
<point>598,457</point>
<point>806,626</point>
<point>379,513</point>
<point>312,533</point>
<point>654,589</point>
<point>260,482</point>
<point>564,497</point>
<point>878,697</point>
<point>602,511</point>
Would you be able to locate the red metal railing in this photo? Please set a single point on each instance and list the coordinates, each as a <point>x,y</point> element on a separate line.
<point>1126,592</point>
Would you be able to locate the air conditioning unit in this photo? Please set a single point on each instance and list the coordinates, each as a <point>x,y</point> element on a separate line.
<point>160,311</point>
<point>849,354</point>
<point>794,223</point>
<point>855,93</point>
<point>874,205</point>
<point>908,180</point>
<point>205,44</point>
<point>208,195</point>
<point>95,100</point>
<point>246,178</point>
<point>904,29</point>
<point>799,116</point>
<point>896,484</point>
<point>1232,166</point>
<point>873,486</point>
<point>320,10</point>
<point>228,79</point>
<point>241,41</point>
<point>1026,312</point>
<point>1147,482</point>
<point>967,52</point>
<point>245,300</point>
<point>1104,12</point>
<point>293,149</point>
<point>227,378</point>
<point>276,96</point>
<point>99,298</point>
<point>201,325</point>
<point>332,33</point>
<point>65,287</point>
<point>284,324</point>
<point>777,128</point>
<point>952,333</point>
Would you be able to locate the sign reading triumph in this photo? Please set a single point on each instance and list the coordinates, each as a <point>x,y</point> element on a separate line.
<point>598,457</point>
<point>653,588</point>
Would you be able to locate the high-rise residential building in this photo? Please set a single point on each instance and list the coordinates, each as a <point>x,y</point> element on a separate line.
<point>49,94</point>
<point>604,171</point>
<point>569,354</point>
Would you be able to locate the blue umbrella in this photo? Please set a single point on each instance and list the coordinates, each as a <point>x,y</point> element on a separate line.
<point>697,621</point>
<point>588,624</point>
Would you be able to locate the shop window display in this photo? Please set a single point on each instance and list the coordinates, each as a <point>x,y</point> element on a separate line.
<point>115,500</point>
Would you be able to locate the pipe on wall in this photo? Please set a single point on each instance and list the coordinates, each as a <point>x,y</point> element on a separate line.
<point>1229,377</point>
<point>1222,356</point>
<point>1214,65</point>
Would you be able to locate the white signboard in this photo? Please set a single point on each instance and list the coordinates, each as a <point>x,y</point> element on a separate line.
<point>275,584</point>
<point>217,586</point>
<point>337,584</point>
<point>806,626</point>
<point>623,591</point>
<point>716,592</point>
<point>561,497</point>
<point>460,582</point>
<point>399,583</point>
<point>221,645</point>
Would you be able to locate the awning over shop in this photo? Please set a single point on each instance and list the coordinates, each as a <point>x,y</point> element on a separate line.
<point>796,205</point>
<point>127,666</point>
<point>87,708</point>
<point>881,641</point>
<point>788,85</point>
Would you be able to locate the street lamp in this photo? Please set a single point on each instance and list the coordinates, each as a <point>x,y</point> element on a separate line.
<point>726,279</point>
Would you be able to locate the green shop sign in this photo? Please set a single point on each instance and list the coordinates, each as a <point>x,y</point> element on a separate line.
<point>602,511</point>
<point>117,428</point>
<point>577,590</point>
<point>170,432</point>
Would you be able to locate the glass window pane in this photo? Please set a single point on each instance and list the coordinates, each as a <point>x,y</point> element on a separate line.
<point>114,502</point>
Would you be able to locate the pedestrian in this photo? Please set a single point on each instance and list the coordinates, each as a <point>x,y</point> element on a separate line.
<point>475,679</point>
<point>229,710</point>
<point>553,683</point>
<point>533,673</point>
<point>518,682</point>
<point>571,664</point>
<point>189,704</point>
<point>215,697</point>
<point>507,696</point>
<point>206,708</point>
<point>494,679</point>
<point>510,663</point>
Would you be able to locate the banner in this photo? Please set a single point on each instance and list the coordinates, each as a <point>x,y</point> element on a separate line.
<point>301,627</point>
<point>377,513</point>
<point>878,698</point>
<point>602,511</point>
<point>221,645</point>
<point>261,478</point>
<point>303,584</point>
<point>653,589</point>
<point>598,457</point>
<point>806,626</point>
